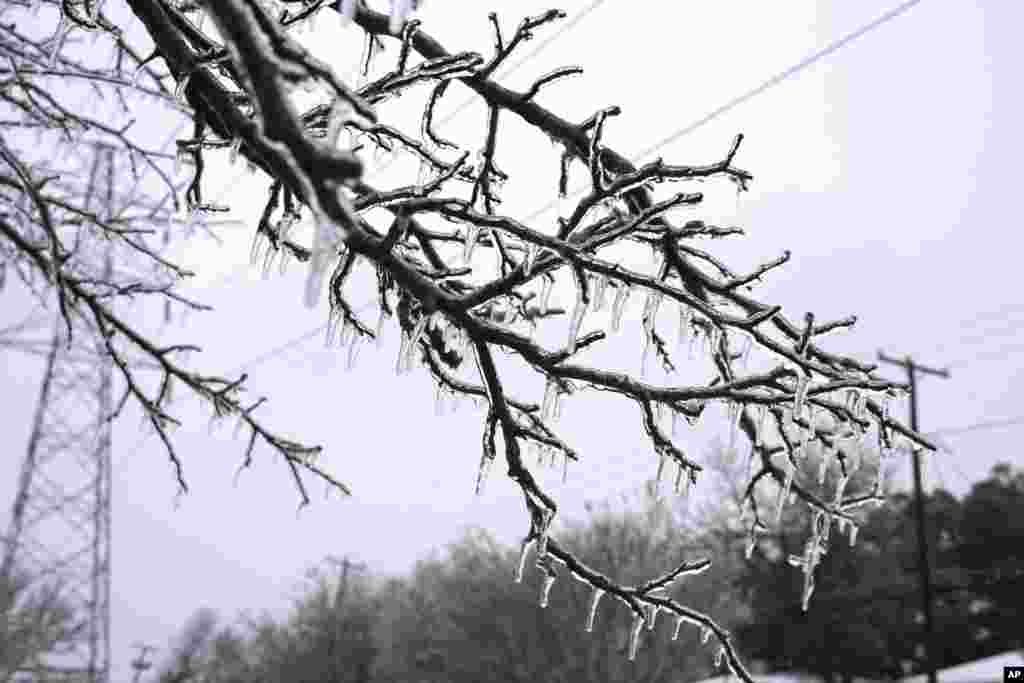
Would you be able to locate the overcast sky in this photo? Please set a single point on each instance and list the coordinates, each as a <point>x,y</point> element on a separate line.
<point>889,169</point>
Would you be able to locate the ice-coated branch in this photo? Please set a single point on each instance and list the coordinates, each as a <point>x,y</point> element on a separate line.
<point>461,277</point>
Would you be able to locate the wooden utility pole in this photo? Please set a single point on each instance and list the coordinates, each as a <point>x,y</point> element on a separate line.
<point>923,565</point>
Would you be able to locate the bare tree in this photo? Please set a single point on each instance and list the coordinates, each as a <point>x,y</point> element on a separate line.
<point>35,621</point>
<point>188,658</point>
<point>237,67</point>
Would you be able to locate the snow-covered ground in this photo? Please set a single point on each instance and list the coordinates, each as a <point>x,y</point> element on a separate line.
<point>987,670</point>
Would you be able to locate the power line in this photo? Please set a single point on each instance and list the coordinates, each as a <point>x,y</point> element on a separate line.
<point>999,312</point>
<point>829,49</point>
<point>995,354</point>
<point>979,426</point>
<point>783,75</point>
<point>291,343</point>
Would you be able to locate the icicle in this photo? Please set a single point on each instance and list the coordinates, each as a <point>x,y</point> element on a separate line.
<point>545,589</point>
<point>840,488</point>
<point>634,636</point>
<point>532,249</point>
<point>705,635</point>
<point>751,543</point>
<point>619,305</point>
<point>546,285</point>
<point>649,318</point>
<point>378,335</point>
<point>652,616</point>
<point>575,323</point>
<point>456,399</point>
<point>784,492</point>
<point>233,151</point>
<point>331,332</point>
<point>179,89</point>
<point>595,598</point>
<point>695,338</point>
<point>268,262</point>
<point>735,413</point>
<point>521,566</point>
<point>799,394</point>
<point>353,351</point>
<point>550,393</point>
<point>324,250</point>
<point>414,340</point>
<point>439,400</point>
<point>826,460</point>
<point>678,627</point>
<point>853,534</point>
<point>472,233</point>
<point>719,656</point>
<point>347,330</point>
<point>684,324</point>
<point>808,588</point>
<point>403,353</point>
<point>657,477</point>
<point>598,292</point>
<point>565,468</point>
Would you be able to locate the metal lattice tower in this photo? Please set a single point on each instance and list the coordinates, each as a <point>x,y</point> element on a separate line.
<point>59,533</point>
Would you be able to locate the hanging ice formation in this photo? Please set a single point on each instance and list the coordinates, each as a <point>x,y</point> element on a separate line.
<point>236,146</point>
<point>662,459</point>
<point>784,491</point>
<point>179,89</point>
<point>599,289</point>
<point>472,235</point>
<point>634,635</point>
<point>532,250</point>
<point>619,305</point>
<point>548,407</point>
<point>546,285</point>
<point>545,589</point>
<point>800,393</point>
<point>826,460</point>
<point>684,324</point>
<point>649,318</point>
<point>595,598</point>
<point>577,320</point>
<point>324,252</point>
<point>524,551</point>
<point>652,616</point>
<point>678,626</point>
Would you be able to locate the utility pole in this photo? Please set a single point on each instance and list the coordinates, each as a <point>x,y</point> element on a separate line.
<point>923,565</point>
<point>142,663</point>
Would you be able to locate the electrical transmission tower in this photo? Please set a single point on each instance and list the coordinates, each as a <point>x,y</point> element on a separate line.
<point>59,532</point>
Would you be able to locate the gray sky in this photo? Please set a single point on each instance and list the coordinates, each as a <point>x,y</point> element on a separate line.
<point>886,169</point>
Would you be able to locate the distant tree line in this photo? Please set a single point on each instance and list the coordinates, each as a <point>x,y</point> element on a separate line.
<point>458,617</point>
